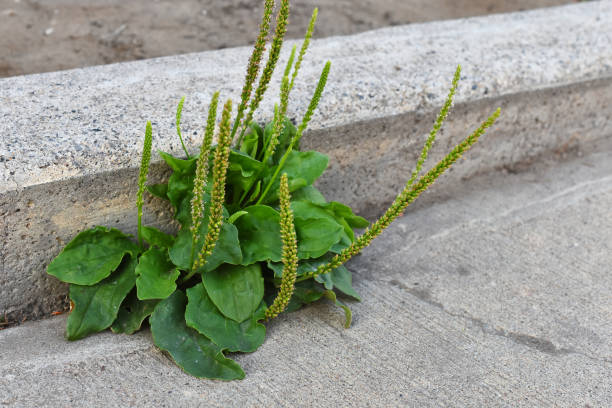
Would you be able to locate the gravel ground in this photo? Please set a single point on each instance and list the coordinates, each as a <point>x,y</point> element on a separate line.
<point>50,35</point>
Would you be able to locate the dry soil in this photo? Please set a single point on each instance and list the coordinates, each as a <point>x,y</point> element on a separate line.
<point>50,35</point>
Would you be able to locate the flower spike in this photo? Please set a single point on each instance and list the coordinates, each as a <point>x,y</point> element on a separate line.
<point>289,252</point>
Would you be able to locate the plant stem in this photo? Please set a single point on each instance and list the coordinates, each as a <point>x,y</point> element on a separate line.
<point>253,66</point>
<point>403,200</point>
<point>314,102</point>
<point>217,198</point>
<point>197,207</point>
<point>142,176</point>
<point>179,112</point>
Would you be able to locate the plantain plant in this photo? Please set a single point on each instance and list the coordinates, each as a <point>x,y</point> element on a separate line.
<point>256,237</point>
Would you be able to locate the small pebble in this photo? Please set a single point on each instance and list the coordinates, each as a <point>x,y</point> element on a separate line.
<point>49,31</point>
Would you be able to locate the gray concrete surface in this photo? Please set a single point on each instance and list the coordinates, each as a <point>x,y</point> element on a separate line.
<point>500,296</point>
<point>70,141</point>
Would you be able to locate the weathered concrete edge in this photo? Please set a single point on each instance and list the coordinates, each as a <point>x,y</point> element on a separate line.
<point>63,124</point>
<point>534,125</point>
<point>39,219</point>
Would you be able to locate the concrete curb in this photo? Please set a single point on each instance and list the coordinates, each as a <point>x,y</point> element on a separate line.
<point>70,141</point>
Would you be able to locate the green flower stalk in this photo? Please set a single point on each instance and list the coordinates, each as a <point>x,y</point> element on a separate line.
<point>210,129</point>
<point>197,208</point>
<point>403,200</point>
<point>289,252</point>
<point>290,61</point>
<point>282,18</point>
<point>279,120</point>
<point>314,102</point>
<point>217,198</point>
<point>437,125</point>
<point>305,43</point>
<point>142,176</point>
<point>179,112</point>
<point>254,61</point>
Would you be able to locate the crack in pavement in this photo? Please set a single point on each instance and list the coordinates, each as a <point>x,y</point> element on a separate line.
<point>533,342</point>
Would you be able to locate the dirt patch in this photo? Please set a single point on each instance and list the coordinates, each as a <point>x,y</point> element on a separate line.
<point>50,35</point>
<point>37,36</point>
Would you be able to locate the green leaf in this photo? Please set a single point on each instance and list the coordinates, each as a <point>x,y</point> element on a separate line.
<point>96,307</point>
<point>156,275</point>
<point>91,256</point>
<point>344,211</point>
<point>235,216</point>
<point>252,141</point>
<point>259,234</point>
<point>227,248</point>
<point>255,192</point>
<point>206,318</point>
<point>237,291</point>
<point>341,279</point>
<point>305,292</point>
<point>132,313</point>
<point>158,190</point>
<point>242,170</point>
<point>345,242</point>
<point>316,236</point>
<point>180,186</point>
<point>193,352</point>
<point>317,230</point>
<point>179,165</point>
<point>302,169</point>
<point>308,193</point>
<point>155,237</point>
<point>348,315</point>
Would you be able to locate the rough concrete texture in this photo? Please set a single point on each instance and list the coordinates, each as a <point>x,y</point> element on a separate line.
<point>498,297</point>
<point>70,140</point>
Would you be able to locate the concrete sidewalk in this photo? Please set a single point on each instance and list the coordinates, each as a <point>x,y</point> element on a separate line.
<point>499,296</point>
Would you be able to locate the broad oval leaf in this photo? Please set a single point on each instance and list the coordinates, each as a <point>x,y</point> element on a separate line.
<point>305,292</point>
<point>96,307</point>
<point>132,313</point>
<point>316,236</point>
<point>317,230</point>
<point>156,275</point>
<point>344,211</point>
<point>341,279</point>
<point>179,165</point>
<point>180,186</point>
<point>308,193</point>
<point>155,237</point>
<point>203,315</point>
<point>242,169</point>
<point>237,291</point>
<point>91,256</point>
<point>302,169</point>
<point>227,248</point>
<point>259,234</point>
<point>191,351</point>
